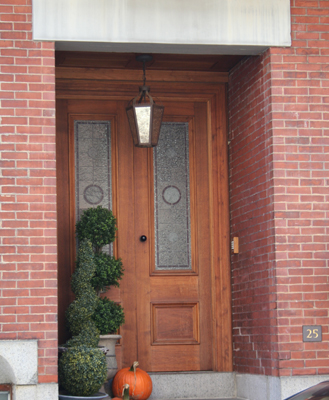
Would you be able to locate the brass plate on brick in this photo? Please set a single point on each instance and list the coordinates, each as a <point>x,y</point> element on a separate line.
<point>312,333</point>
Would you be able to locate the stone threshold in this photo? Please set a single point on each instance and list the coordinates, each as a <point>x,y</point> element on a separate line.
<point>196,385</point>
<point>195,398</point>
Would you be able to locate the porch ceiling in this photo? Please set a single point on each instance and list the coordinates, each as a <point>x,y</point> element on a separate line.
<point>173,62</point>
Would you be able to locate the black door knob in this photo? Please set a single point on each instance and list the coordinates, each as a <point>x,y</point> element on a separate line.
<point>143,238</point>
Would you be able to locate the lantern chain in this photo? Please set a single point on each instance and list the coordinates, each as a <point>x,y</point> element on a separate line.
<point>143,96</point>
<point>144,72</point>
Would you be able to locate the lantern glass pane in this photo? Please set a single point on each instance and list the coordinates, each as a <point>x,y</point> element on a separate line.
<point>143,116</point>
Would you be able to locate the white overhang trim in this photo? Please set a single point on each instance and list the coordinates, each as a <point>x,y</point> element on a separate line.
<point>171,26</point>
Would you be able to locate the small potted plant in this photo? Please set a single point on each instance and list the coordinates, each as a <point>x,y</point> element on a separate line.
<point>82,366</point>
<point>99,226</point>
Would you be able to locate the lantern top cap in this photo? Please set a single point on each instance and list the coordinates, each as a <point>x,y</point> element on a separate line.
<point>144,58</point>
<point>144,88</point>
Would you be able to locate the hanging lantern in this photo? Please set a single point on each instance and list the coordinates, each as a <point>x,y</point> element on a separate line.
<point>144,116</point>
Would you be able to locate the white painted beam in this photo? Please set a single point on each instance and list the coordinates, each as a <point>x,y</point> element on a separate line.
<point>171,26</point>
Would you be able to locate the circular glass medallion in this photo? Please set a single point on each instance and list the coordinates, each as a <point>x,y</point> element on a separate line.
<point>171,195</point>
<point>93,194</point>
<point>93,153</point>
<point>173,237</point>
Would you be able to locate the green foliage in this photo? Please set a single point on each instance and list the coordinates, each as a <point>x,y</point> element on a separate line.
<point>85,269</point>
<point>108,316</point>
<point>82,370</point>
<point>98,225</point>
<point>88,335</point>
<point>80,311</point>
<point>108,271</point>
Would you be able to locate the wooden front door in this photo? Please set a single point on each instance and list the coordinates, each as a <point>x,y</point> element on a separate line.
<point>169,292</point>
<point>166,191</point>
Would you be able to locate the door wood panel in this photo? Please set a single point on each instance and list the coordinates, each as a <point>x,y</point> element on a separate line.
<point>175,323</point>
<point>175,320</point>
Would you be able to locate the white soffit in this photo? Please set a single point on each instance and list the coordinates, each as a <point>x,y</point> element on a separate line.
<point>163,26</point>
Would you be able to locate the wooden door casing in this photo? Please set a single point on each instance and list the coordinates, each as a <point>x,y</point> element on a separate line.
<point>209,114</point>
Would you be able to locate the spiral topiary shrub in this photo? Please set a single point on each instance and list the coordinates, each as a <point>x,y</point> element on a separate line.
<point>108,316</point>
<point>82,370</point>
<point>82,367</point>
<point>80,311</point>
<point>108,271</point>
<point>99,226</point>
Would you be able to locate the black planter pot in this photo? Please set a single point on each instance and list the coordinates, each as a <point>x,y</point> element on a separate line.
<point>96,396</point>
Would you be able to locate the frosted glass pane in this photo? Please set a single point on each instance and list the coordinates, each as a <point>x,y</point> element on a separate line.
<point>143,115</point>
<point>92,165</point>
<point>172,198</point>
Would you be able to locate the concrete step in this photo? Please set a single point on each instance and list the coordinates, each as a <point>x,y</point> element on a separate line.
<point>202,385</point>
<point>222,398</point>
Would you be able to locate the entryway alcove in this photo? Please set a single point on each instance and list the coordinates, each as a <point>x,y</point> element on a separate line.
<point>178,309</point>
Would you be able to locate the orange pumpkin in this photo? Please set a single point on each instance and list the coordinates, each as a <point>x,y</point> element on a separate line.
<point>125,393</point>
<point>139,381</point>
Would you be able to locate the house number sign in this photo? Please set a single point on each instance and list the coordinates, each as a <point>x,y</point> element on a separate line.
<point>312,333</point>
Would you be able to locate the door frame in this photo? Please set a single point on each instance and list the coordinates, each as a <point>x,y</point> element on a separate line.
<point>208,87</point>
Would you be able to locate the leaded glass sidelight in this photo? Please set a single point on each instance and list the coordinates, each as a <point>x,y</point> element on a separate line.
<point>92,165</point>
<point>172,198</point>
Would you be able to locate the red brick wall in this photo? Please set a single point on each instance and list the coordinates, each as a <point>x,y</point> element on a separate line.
<point>279,161</point>
<point>28,271</point>
<point>252,216</point>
